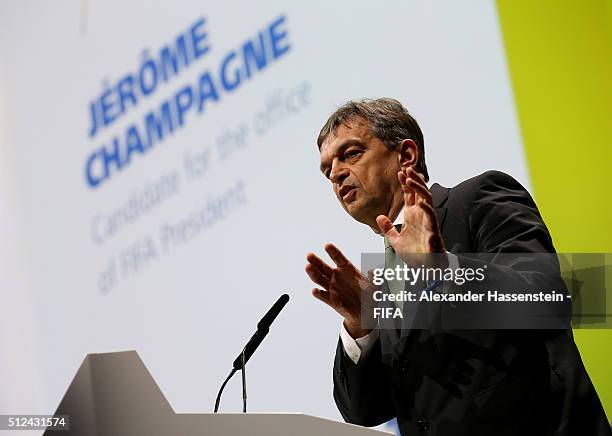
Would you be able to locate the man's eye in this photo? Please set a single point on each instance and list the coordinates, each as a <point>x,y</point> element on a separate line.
<point>351,153</point>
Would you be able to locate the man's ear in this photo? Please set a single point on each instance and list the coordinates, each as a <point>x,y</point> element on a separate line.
<point>408,153</point>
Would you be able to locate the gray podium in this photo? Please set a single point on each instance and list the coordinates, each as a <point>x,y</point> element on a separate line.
<point>114,394</point>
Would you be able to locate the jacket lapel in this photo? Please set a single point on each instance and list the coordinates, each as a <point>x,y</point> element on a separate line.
<point>439,196</point>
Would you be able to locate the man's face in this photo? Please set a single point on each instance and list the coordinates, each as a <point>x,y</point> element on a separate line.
<point>363,172</point>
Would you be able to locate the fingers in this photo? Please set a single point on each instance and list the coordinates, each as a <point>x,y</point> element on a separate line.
<point>430,212</point>
<point>413,186</point>
<point>436,243</point>
<point>420,190</point>
<point>416,182</point>
<point>409,196</point>
<point>319,264</point>
<point>321,295</point>
<point>317,277</point>
<point>414,174</point>
<point>336,255</point>
<point>386,226</point>
<point>320,272</point>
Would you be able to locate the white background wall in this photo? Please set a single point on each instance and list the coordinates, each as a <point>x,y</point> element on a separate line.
<point>189,312</point>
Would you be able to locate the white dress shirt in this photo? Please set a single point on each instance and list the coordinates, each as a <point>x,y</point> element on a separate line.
<point>358,348</point>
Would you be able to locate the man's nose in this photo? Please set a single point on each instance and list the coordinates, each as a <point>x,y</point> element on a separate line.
<point>338,174</point>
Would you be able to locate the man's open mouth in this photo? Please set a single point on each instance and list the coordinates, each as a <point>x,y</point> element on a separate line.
<point>347,193</point>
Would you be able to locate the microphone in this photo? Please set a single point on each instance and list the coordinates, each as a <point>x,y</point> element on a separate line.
<point>263,327</point>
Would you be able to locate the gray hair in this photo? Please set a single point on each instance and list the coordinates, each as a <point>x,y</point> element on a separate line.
<point>388,120</point>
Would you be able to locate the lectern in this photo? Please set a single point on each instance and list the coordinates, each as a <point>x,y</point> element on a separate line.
<point>113,394</point>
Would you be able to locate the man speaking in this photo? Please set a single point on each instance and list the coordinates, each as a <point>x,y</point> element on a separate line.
<point>453,382</point>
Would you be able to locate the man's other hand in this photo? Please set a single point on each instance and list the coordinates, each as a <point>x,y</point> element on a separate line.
<point>420,232</point>
<point>343,288</point>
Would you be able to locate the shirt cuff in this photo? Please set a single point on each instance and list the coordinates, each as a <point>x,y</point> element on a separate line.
<point>357,348</point>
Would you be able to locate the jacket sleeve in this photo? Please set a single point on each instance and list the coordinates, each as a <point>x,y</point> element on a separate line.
<point>361,391</point>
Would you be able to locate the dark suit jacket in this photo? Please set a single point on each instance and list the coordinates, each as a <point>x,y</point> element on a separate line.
<point>478,382</point>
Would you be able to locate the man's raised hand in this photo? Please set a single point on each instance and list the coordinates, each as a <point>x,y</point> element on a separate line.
<point>343,288</point>
<point>420,232</point>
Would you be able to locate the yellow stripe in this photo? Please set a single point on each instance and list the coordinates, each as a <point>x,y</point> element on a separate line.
<point>560,59</point>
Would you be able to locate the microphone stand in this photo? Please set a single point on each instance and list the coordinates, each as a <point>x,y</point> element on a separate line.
<point>263,328</point>
<point>244,391</point>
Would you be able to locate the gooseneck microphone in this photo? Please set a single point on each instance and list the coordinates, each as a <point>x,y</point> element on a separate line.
<point>263,327</point>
